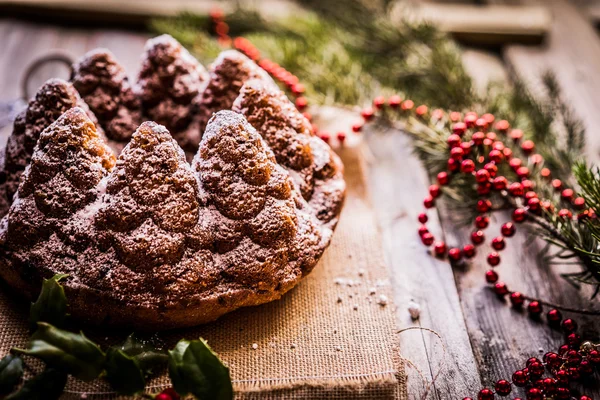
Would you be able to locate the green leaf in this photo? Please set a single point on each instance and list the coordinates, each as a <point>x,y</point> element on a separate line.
<point>70,352</point>
<point>51,305</point>
<point>47,385</point>
<point>145,354</point>
<point>11,371</point>
<point>194,368</point>
<point>123,372</point>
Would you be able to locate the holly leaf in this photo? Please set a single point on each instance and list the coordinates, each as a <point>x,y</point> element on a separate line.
<point>71,352</point>
<point>145,354</point>
<point>47,385</point>
<point>51,305</point>
<point>194,368</point>
<point>123,372</point>
<point>11,371</point>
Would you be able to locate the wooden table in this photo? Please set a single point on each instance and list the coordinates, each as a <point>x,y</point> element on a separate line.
<point>483,339</point>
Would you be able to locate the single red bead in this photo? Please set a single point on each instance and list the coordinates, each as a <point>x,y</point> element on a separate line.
<point>500,288</point>
<point>470,120</point>
<point>503,387</point>
<point>567,194</point>
<point>454,254</point>
<point>484,205</point>
<point>491,276</point>
<point>579,203</point>
<point>573,340</point>
<point>502,125</point>
<point>545,173</point>
<point>536,159</point>
<point>482,176</point>
<point>516,134</point>
<point>507,152</point>
<point>459,128</point>
<point>423,230</point>
<point>562,393</point>
<point>434,191</point>
<point>554,316</point>
<point>517,299</point>
<point>534,308</point>
<point>439,248</point>
<point>515,163</point>
<point>508,229</point>
<point>527,146</point>
<point>298,88</point>
<point>564,213</point>
<point>523,172</point>
<point>325,136</point>
<point>557,184</point>
<point>341,137</point>
<point>562,377</point>
<point>549,385</point>
<point>485,394</point>
<point>469,250</point>
<point>535,368</point>
<point>534,394</point>
<point>488,117</point>
<point>443,178</point>
<point>394,101</point>
<point>492,136</point>
<point>500,183</point>
<point>563,350</point>
<point>477,138</point>
<point>482,221</point>
<point>427,239</point>
<point>552,359</point>
<point>407,105</point>
<point>423,218</point>
<point>594,357</point>
<point>467,166</point>
<point>379,101</point>
<point>547,205</point>
<point>421,110</point>
<point>497,145</point>
<point>519,215</point>
<point>457,153</point>
<point>498,243</point>
<point>466,146</point>
<point>516,189</point>
<point>493,259</point>
<point>171,392</point>
<point>584,397</point>
<point>367,113</point>
<point>491,168</point>
<point>586,368</point>
<point>569,325</point>
<point>301,104</point>
<point>428,202</point>
<point>520,378</point>
<point>163,396</point>
<point>477,237</point>
<point>453,140</point>
<point>357,127</point>
<point>533,204</point>
<point>496,156</point>
<point>453,165</point>
<point>531,360</point>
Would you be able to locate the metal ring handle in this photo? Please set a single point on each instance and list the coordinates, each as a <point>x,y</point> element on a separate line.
<point>60,56</point>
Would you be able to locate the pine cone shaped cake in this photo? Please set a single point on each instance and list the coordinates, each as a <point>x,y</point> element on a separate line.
<point>149,240</point>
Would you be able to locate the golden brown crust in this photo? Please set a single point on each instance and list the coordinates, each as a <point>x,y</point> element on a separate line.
<point>151,242</point>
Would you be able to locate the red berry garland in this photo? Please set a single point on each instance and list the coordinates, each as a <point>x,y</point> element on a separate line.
<point>573,359</point>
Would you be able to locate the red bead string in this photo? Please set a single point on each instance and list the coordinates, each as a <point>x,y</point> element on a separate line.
<point>540,379</point>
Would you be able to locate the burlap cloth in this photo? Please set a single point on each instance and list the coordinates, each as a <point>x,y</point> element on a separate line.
<point>326,339</point>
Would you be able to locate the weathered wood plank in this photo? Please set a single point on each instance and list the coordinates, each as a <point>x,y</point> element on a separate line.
<point>398,184</point>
